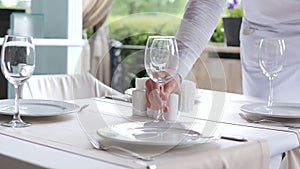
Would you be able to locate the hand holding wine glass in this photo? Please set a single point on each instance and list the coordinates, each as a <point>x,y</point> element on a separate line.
<point>17,65</point>
<point>271,60</point>
<point>161,63</point>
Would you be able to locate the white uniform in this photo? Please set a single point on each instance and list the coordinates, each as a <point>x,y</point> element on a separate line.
<point>262,19</point>
<point>269,18</point>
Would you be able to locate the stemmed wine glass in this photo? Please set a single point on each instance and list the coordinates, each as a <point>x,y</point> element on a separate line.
<point>161,62</point>
<point>271,60</point>
<point>17,65</point>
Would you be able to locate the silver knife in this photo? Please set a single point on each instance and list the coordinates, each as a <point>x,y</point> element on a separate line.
<point>128,100</point>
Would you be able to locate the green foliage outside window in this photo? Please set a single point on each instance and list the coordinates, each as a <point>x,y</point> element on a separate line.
<point>134,29</point>
<point>218,35</point>
<point>236,12</point>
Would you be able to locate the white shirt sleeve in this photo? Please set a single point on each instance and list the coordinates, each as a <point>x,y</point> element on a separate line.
<point>197,26</point>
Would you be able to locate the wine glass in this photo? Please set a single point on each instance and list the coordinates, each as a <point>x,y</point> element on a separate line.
<point>161,63</point>
<point>271,60</point>
<point>17,65</point>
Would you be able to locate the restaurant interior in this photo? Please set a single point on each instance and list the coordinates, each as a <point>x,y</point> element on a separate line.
<point>79,97</point>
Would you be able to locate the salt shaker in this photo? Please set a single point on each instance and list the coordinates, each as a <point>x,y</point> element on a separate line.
<point>187,96</point>
<point>140,83</point>
<point>173,103</point>
<point>139,105</point>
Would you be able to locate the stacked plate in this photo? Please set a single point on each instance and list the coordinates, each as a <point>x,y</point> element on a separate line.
<point>140,133</point>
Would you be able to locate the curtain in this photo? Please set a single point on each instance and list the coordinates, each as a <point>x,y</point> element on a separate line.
<point>85,57</point>
<point>100,60</point>
<point>96,49</point>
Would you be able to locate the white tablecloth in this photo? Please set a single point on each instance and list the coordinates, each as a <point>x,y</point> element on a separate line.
<point>64,136</point>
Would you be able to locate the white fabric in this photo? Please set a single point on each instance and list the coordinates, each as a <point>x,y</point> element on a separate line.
<point>64,133</point>
<point>100,58</point>
<point>228,114</point>
<point>263,18</point>
<point>97,52</point>
<point>287,82</point>
<point>95,12</point>
<point>64,87</point>
<point>267,12</point>
<point>85,54</point>
<point>196,28</point>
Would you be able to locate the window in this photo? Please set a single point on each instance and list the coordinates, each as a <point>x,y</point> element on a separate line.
<point>130,23</point>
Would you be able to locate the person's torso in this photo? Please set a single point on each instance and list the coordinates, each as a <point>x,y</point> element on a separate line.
<point>273,13</point>
<point>281,16</point>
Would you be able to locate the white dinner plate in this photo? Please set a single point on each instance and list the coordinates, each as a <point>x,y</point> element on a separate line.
<point>38,108</point>
<point>141,134</point>
<point>278,110</point>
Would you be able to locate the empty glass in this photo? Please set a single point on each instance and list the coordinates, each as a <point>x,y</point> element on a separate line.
<point>271,60</point>
<point>161,62</point>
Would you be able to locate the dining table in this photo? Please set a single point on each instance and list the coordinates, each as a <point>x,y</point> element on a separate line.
<point>227,140</point>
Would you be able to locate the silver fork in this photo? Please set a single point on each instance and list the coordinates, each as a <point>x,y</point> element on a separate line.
<point>248,119</point>
<point>97,145</point>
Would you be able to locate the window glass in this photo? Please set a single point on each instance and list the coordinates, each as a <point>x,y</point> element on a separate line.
<point>131,21</point>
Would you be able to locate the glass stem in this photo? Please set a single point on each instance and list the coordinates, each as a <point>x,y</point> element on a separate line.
<point>16,112</point>
<point>270,101</point>
<point>160,115</point>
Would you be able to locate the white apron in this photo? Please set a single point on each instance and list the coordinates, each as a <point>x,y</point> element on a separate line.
<point>269,18</point>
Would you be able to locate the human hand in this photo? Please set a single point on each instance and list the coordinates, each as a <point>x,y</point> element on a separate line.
<point>154,100</point>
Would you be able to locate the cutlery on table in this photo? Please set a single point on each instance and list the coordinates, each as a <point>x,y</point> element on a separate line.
<point>97,144</point>
<point>261,121</point>
<point>234,138</point>
<point>118,98</point>
<point>83,107</point>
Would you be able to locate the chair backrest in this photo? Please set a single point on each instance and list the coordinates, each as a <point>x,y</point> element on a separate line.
<point>64,87</point>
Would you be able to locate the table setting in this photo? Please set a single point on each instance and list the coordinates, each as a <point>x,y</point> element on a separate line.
<point>257,113</point>
<point>161,132</point>
<point>203,128</point>
<point>162,150</point>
